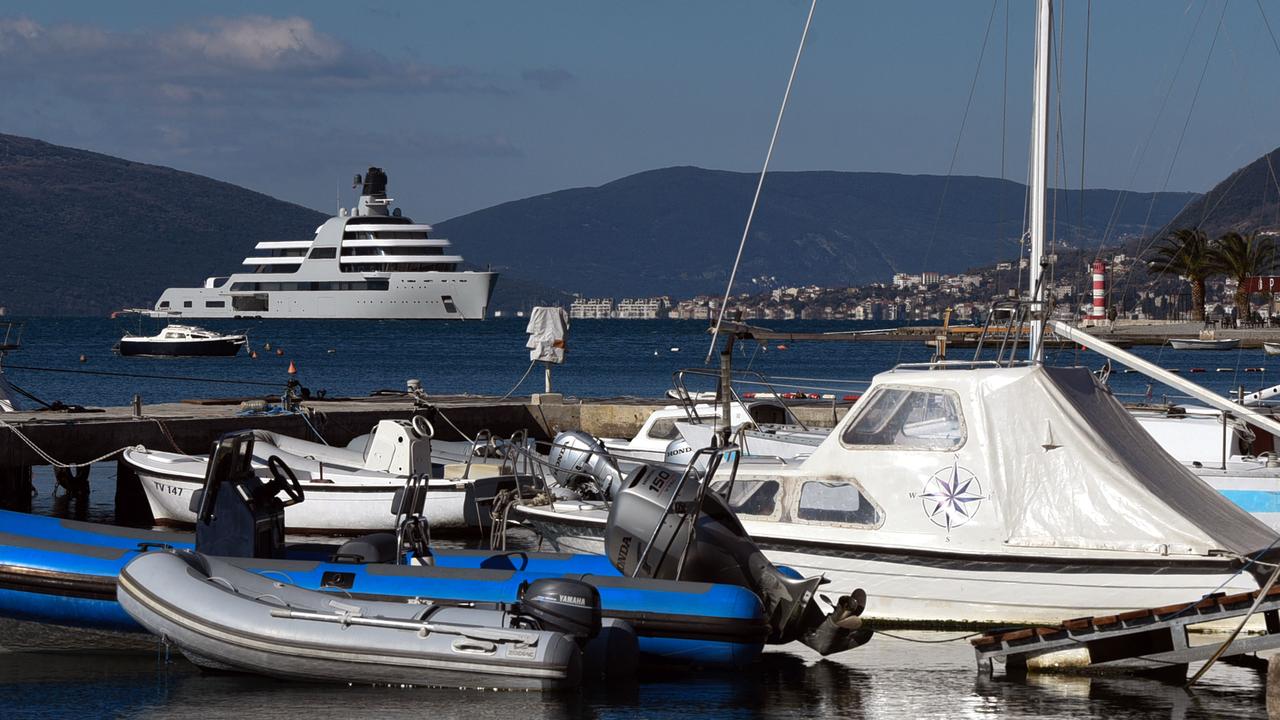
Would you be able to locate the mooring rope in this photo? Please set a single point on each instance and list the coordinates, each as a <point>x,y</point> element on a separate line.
<point>109,373</point>
<point>54,461</point>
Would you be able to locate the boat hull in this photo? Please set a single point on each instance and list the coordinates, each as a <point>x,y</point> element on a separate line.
<point>233,624</point>
<point>219,347</point>
<point>911,587</point>
<point>1194,344</point>
<point>330,507</point>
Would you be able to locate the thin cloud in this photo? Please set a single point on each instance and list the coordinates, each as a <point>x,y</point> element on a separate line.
<point>548,79</point>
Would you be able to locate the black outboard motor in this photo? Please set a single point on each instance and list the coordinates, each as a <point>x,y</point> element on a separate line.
<point>696,536</point>
<point>570,606</point>
<point>239,514</point>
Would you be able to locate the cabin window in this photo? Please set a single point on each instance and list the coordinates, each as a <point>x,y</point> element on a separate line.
<point>186,303</point>
<point>663,429</point>
<point>836,502</point>
<point>164,303</point>
<point>905,417</point>
<point>324,253</point>
<point>752,497</point>
<point>215,303</point>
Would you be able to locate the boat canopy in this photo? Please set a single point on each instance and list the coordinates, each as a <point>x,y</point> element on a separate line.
<point>1055,457</point>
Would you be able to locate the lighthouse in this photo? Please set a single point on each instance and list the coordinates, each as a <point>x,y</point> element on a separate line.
<point>1098,310</point>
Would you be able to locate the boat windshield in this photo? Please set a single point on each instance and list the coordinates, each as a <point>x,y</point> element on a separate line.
<point>916,418</point>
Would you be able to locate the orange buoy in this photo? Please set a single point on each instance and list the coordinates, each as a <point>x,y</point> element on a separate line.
<point>84,358</point>
<point>1194,370</point>
<point>292,370</point>
<point>253,354</point>
<point>782,347</point>
<point>279,352</point>
<point>851,398</point>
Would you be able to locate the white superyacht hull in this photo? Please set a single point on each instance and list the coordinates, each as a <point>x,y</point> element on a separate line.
<point>422,296</point>
<point>909,586</point>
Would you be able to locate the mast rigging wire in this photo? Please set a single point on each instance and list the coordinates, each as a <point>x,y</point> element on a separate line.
<point>755,201</point>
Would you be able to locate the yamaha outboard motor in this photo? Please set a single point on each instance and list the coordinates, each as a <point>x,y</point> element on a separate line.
<point>582,461</point>
<point>696,536</point>
<point>239,514</point>
<point>569,606</point>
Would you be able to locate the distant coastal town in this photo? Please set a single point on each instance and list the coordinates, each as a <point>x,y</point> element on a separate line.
<point>1130,291</point>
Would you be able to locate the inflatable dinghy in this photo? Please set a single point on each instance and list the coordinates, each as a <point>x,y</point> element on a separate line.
<point>225,618</point>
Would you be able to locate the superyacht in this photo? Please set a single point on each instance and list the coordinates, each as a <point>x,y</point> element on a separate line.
<point>368,262</point>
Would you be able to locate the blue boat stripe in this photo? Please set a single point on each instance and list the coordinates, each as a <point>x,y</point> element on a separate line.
<point>1254,501</point>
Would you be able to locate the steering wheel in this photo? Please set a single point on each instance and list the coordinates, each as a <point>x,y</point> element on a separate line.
<point>283,479</point>
<point>422,426</point>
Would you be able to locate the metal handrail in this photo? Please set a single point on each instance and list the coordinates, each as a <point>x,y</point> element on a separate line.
<point>717,454</point>
<point>685,398</point>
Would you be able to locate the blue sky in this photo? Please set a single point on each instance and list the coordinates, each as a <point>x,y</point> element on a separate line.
<point>468,104</point>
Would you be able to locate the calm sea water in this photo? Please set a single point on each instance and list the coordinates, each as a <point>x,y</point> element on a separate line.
<point>607,358</point>
<point>891,677</point>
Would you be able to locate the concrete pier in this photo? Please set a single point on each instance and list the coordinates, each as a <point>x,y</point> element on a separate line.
<point>191,427</point>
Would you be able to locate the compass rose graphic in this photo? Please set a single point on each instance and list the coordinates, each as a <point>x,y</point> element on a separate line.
<point>952,496</point>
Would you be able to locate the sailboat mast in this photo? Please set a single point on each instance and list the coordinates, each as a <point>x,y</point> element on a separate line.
<point>1039,175</point>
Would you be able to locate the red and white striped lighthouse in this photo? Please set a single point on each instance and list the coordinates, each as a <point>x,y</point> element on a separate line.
<point>1098,311</point>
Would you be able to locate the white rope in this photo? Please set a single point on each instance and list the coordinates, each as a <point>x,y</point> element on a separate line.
<point>50,459</point>
<point>777,124</point>
<point>519,382</point>
<point>455,427</point>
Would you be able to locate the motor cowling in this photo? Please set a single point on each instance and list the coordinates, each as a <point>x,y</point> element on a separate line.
<point>563,604</point>
<point>579,460</point>
<point>703,540</point>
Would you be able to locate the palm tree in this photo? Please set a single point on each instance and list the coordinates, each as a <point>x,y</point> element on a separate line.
<point>1240,257</point>
<point>1187,253</point>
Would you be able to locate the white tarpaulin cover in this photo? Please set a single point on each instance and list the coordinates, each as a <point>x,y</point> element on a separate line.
<point>548,331</point>
<point>1072,468</point>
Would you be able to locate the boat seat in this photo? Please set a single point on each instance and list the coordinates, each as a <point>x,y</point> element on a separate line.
<point>455,471</point>
<point>371,548</point>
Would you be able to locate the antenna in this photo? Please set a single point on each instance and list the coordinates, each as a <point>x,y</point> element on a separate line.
<point>337,195</point>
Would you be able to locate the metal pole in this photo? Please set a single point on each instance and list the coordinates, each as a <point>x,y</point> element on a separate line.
<point>1039,174</point>
<point>546,377</point>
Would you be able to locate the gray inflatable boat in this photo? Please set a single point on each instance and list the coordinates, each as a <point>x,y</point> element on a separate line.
<point>225,618</point>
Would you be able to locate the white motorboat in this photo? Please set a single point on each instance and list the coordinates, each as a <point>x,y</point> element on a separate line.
<point>349,489</point>
<point>1271,348</point>
<point>980,494</point>
<point>658,430</point>
<point>1204,343</point>
<point>183,341</point>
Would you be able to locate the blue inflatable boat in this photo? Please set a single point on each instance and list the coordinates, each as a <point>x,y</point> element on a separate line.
<point>64,572</point>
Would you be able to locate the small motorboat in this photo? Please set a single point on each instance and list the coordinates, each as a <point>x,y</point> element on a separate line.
<point>1271,348</point>
<point>349,489</point>
<point>1204,344</point>
<point>182,341</point>
<point>225,618</point>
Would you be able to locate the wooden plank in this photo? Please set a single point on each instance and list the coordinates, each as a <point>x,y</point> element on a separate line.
<point>1134,615</point>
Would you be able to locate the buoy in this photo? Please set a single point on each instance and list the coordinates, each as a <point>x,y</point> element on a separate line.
<point>84,358</point>
<point>292,370</point>
<point>254,355</point>
<point>749,395</point>
<point>782,347</point>
<point>851,398</point>
<point>334,350</point>
<point>1255,369</point>
<point>1196,370</point>
<point>1224,370</point>
<point>266,346</point>
<point>675,349</point>
<point>279,352</point>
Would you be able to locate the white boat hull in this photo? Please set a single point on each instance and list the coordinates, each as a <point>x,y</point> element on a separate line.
<point>905,587</point>
<point>329,507</point>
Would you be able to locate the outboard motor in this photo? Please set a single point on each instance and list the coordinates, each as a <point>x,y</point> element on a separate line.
<point>569,606</point>
<point>678,454</point>
<point>239,514</point>
<point>696,536</point>
<point>581,460</point>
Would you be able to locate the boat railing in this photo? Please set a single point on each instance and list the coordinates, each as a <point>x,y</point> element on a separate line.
<point>11,335</point>
<point>815,388</point>
<point>715,455</point>
<point>1017,325</point>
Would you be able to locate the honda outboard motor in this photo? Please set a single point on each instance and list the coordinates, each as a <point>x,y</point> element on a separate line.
<point>703,540</point>
<point>678,454</point>
<point>239,514</point>
<point>582,461</point>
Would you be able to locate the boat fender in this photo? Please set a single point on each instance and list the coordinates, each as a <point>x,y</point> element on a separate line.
<point>74,480</point>
<point>562,604</point>
<point>614,653</point>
